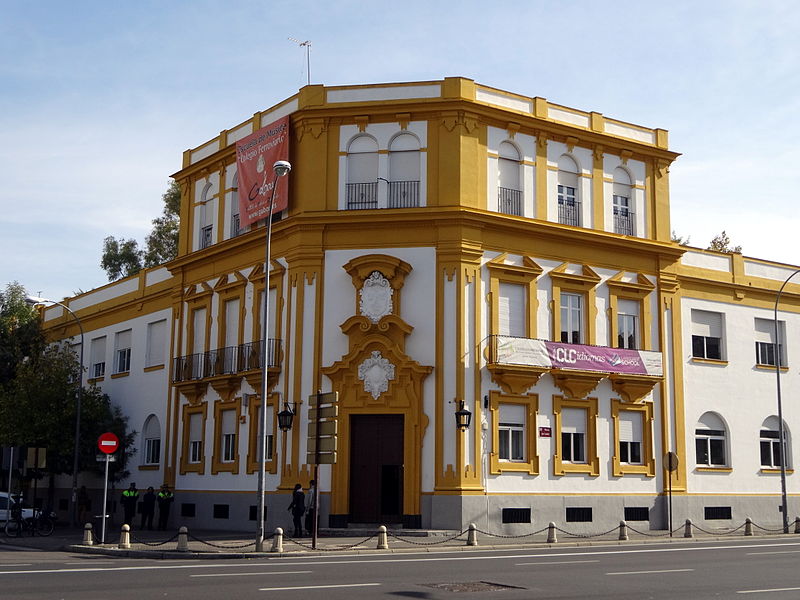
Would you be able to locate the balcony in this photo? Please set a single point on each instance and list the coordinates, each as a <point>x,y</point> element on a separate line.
<point>623,221</point>
<point>569,213</point>
<point>509,202</point>
<point>226,361</point>
<point>362,196</point>
<point>403,194</point>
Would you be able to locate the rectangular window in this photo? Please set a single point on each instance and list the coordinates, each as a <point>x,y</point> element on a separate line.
<point>152,451</point>
<point>187,509</point>
<point>511,308</point>
<point>623,216</point>
<point>571,318</point>
<point>770,449</point>
<point>628,324</point>
<point>579,514</point>
<point>630,437</point>
<point>516,515</point>
<point>98,357</point>
<point>706,334</point>
<point>712,513</point>
<point>221,511</point>
<point>122,354</point>
<point>195,438</point>
<point>765,342</point>
<point>573,435</point>
<point>156,343</point>
<point>637,513</point>
<point>568,206</point>
<point>206,236</point>
<point>511,432</point>
<point>710,447</point>
<point>235,226</point>
<point>229,451</point>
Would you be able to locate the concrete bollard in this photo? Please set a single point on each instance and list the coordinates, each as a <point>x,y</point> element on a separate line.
<point>551,533</point>
<point>125,538</point>
<point>88,540</point>
<point>472,535</point>
<point>687,532</point>
<point>748,526</point>
<point>277,540</point>
<point>797,524</point>
<point>383,539</point>
<point>183,540</point>
<point>623,530</point>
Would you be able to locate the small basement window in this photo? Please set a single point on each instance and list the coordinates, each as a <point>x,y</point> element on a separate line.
<point>516,515</point>
<point>187,509</point>
<point>717,513</point>
<point>579,514</point>
<point>221,511</point>
<point>637,513</point>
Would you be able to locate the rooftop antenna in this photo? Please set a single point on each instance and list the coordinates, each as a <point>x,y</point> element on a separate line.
<point>307,44</point>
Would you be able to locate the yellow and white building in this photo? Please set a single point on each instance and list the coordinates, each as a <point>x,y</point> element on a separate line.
<point>439,235</point>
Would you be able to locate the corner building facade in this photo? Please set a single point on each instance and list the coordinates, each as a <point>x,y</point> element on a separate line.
<point>445,243</point>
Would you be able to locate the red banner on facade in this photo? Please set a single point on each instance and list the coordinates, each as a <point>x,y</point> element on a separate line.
<point>255,156</point>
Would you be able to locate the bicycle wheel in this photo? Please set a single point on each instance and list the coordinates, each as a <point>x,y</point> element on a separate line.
<point>13,528</point>
<point>44,526</point>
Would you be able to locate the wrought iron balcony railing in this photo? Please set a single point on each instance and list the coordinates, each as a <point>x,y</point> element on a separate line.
<point>509,202</point>
<point>403,194</point>
<point>362,196</point>
<point>226,361</point>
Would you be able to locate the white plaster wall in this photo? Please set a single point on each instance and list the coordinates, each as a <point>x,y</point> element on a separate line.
<point>157,276</point>
<point>630,131</point>
<point>775,272</point>
<point>368,94</point>
<point>496,98</point>
<point>714,262</point>
<point>568,116</point>
<point>109,292</point>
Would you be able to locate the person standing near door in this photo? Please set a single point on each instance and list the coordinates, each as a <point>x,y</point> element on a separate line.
<point>164,499</point>
<point>311,514</point>
<point>298,507</point>
<point>130,498</point>
<point>148,508</point>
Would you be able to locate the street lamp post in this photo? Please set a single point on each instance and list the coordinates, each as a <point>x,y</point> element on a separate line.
<point>776,348</point>
<point>281,168</point>
<point>76,449</point>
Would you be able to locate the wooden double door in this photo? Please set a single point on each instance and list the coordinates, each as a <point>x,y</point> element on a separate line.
<point>376,469</point>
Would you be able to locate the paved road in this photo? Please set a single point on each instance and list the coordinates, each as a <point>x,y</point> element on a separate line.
<point>737,568</point>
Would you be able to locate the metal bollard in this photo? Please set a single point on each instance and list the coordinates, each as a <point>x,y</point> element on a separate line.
<point>623,530</point>
<point>551,533</point>
<point>797,524</point>
<point>87,535</point>
<point>687,532</point>
<point>472,536</point>
<point>748,526</point>
<point>383,539</point>
<point>183,540</point>
<point>125,538</point>
<point>277,540</point>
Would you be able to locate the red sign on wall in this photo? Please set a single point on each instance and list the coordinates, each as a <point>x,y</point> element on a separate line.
<point>108,443</point>
<point>255,155</point>
<point>545,432</point>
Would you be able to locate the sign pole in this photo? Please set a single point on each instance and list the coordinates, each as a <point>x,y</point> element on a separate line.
<point>105,502</point>
<point>10,466</point>
<point>315,525</point>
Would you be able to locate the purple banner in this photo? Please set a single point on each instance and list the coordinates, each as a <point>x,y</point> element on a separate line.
<point>541,353</point>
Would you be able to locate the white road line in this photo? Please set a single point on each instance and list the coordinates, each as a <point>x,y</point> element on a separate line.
<point>651,572</point>
<point>556,562</point>
<point>17,565</point>
<point>109,569</point>
<point>245,574</point>
<point>794,589</point>
<point>91,562</point>
<point>775,552</point>
<point>317,587</point>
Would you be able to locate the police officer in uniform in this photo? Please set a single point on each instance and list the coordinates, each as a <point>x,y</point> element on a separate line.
<point>129,499</point>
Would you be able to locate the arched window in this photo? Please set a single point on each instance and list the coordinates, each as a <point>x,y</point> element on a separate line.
<point>404,171</point>
<point>769,441</point>
<point>569,202</point>
<point>711,445</point>
<point>151,436</point>
<point>362,173</point>
<point>206,219</point>
<point>623,203</point>
<point>509,188</point>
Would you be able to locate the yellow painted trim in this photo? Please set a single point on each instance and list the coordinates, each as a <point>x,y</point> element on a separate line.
<point>541,176</point>
<point>776,471</point>
<point>648,466</point>
<point>709,361</point>
<point>525,275</point>
<point>592,465</point>
<point>149,467</point>
<point>151,368</point>
<point>714,469</point>
<point>638,291</point>
<point>120,375</point>
<point>760,367</point>
<point>254,403</point>
<point>598,195</point>
<point>187,411</point>
<point>531,404</point>
<point>584,284</point>
<point>95,380</point>
<point>217,464</point>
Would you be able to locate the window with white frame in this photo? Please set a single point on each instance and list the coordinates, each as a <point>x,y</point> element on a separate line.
<point>236,228</point>
<point>569,202</point>
<point>362,173</point>
<point>151,434</point>
<point>404,171</point>
<point>770,447</point>
<point>195,438</point>
<point>511,308</point>
<point>765,342</point>
<point>228,450</point>
<point>623,207</point>
<point>509,183</point>
<point>122,352</point>
<point>511,431</point>
<point>573,435</point>
<point>98,357</point>
<point>711,441</point>
<point>571,318</point>
<point>628,324</point>
<point>707,338</point>
<point>156,343</point>
<point>630,437</point>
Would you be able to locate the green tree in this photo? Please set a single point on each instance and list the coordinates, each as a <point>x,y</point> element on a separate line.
<point>722,243</point>
<point>123,257</point>
<point>678,239</point>
<point>20,334</point>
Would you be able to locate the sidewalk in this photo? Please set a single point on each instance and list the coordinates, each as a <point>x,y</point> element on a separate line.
<point>222,544</point>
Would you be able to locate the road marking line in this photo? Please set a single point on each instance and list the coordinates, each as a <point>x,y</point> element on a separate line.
<point>91,561</point>
<point>137,568</point>
<point>775,552</point>
<point>557,562</point>
<point>245,574</point>
<point>794,589</point>
<point>318,587</point>
<point>651,572</point>
<point>17,565</point>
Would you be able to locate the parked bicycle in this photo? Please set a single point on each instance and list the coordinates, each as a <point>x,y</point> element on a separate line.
<point>38,524</point>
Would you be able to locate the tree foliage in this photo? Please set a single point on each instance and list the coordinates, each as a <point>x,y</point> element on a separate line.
<point>20,334</point>
<point>722,243</point>
<point>678,239</point>
<point>123,257</point>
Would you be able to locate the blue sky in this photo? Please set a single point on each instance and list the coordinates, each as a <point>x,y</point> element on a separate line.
<point>98,100</point>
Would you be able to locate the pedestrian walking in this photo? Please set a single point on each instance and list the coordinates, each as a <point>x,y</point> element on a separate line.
<point>165,498</point>
<point>298,507</point>
<point>148,508</point>
<point>311,514</point>
<point>130,498</point>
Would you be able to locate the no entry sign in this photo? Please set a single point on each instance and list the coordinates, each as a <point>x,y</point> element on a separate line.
<point>108,443</point>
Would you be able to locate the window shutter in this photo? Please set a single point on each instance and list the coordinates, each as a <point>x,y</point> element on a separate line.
<point>630,427</point>
<point>511,307</point>
<point>199,329</point>
<point>156,340</point>
<point>707,324</point>
<point>228,421</point>
<point>195,427</point>
<point>573,420</point>
<point>232,322</point>
<point>628,307</point>
<point>98,350</point>
<point>124,339</point>
<point>765,330</point>
<point>512,414</point>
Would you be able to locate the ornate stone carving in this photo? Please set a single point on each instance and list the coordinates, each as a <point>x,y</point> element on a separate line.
<point>376,372</point>
<point>376,297</point>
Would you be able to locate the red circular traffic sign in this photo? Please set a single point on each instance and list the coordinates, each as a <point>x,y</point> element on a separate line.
<point>108,443</point>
